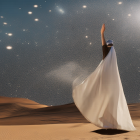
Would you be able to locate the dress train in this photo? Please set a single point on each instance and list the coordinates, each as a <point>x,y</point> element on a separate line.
<point>100,97</point>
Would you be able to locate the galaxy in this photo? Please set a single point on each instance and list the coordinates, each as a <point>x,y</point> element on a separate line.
<point>46,45</point>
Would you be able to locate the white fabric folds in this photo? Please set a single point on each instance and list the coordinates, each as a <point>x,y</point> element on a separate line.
<point>100,97</point>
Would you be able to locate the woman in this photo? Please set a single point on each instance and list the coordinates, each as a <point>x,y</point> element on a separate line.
<point>100,97</point>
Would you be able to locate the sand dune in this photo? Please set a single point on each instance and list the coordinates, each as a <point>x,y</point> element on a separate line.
<point>21,112</point>
<point>22,102</point>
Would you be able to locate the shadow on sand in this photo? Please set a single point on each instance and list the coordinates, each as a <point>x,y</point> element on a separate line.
<point>110,131</point>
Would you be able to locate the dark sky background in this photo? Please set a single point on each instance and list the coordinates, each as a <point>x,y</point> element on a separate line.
<point>44,48</point>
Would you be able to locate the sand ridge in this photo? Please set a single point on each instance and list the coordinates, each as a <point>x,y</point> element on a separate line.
<point>26,120</point>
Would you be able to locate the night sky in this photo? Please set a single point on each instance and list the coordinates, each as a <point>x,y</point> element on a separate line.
<point>45,45</point>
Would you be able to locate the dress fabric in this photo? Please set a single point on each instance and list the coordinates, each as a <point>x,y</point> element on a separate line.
<point>100,97</point>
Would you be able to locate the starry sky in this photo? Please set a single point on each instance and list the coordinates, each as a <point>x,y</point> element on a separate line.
<point>46,44</point>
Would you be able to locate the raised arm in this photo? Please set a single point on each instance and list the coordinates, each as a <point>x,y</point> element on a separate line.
<point>102,35</point>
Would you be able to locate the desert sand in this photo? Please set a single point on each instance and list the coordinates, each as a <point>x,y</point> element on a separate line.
<point>23,119</point>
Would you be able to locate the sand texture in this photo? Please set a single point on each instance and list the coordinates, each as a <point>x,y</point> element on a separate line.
<point>23,119</point>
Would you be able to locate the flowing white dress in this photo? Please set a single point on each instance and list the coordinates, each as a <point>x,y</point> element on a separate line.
<point>100,97</point>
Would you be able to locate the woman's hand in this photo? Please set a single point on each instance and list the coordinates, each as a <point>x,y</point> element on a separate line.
<point>103,29</point>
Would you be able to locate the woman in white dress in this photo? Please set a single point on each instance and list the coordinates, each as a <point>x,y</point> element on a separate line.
<point>100,97</point>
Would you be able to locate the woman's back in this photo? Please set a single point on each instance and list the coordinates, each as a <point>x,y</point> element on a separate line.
<point>105,50</point>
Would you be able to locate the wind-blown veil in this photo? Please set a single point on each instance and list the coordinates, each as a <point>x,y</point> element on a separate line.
<point>100,97</point>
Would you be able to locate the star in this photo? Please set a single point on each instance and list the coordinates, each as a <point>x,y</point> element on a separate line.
<point>35,6</point>
<point>120,2</point>
<point>9,47</point>
<point>5,23</point>
<point>29,12</point>
<point>10,34</point>
<point>36,19</point>
<point>84,6</point>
